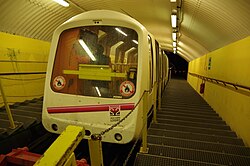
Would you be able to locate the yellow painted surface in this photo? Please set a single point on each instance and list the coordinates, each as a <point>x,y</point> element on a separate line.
<point>232,64</point>
<point>21,54</point>
<point>62,148</point>
<point>95,72</point>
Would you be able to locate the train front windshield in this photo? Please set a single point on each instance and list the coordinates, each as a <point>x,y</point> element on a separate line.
<point>98,61</point>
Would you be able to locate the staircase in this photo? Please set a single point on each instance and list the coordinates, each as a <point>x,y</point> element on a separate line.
<point>27,117</point>
<point>188,132</point>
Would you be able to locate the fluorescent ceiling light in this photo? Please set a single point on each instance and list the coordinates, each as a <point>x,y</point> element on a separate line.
<point>136,42</point>
<point>172,0</point>
<point>174,35</point>
<point>174,51</point>
<point>174,48</point>
<point>174,20</point>
<point>86,48</point>
<point>62,2</point>
<point>174,44</point>
<point>98,91</point>
<point>121,31</point>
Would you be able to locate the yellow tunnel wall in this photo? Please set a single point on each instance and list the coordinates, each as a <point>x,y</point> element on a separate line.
<point>20,54</point>
<point>232,64</point>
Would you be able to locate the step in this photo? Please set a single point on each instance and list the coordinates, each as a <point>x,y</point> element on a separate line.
<point>193,129</point>
<point>26,120</point>
<point>188,104</point>
<point>37,115</point>
<point>3,133</point>
<point>188,108</point>
<point>154,160</point>
<point>200,145</point>
<point>183,99</point>
<point>30,108</point>
<point>37,105</point>
<point>196,136</point>
<point>187,91</point>
<point>189,114</point>
<point>27,102</point>
<point>198,155</point>
<point>182,95</point>
<point>192,124</point>
<point>5,124</point>
<point>191,119</point>
<point>37,100</point>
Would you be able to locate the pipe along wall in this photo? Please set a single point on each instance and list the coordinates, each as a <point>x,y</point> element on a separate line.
<point>17,55</point>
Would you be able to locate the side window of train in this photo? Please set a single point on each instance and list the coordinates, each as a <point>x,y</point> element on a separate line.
<point>150,46</point>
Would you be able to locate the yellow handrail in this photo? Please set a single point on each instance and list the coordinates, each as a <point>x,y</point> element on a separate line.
<point>60,153</point>
<point>225,83</point>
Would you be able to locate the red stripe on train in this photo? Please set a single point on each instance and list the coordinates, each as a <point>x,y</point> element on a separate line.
<point>89,108</point>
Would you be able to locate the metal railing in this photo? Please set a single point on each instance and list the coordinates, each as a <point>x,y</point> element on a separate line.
<point>21,73</point>
<point>4,97</point>
<point>8,111</point>
<point>221,82</point>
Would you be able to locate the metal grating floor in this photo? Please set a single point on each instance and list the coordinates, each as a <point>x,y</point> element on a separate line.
<point>196,136</point>
<point>154,160</point>
<point>198,155</point>
<point>199,145</point>
<point>192,119</point>
<point>189,132</point>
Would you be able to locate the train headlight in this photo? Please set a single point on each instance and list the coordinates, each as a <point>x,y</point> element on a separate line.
<point>54,127</point>
<point>118,137</point>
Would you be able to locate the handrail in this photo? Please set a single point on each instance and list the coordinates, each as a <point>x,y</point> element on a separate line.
<point>22,61</point>
<point>63,147</point>
<point>213,80</point>
<point>8,111</point>
<point>21,73</point>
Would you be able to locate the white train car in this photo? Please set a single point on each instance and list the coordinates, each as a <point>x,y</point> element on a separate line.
<point>100,64</point>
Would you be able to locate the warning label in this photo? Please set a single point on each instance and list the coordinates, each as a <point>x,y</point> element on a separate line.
<point>127,88</point>
<point>114,113</point>
<point>59,82</point>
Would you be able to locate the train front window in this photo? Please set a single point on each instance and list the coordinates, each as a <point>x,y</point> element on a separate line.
<point>98,61</point>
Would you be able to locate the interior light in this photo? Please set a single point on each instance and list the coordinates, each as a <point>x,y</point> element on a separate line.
<point>62,2</point>
<point>86,48</point>
<point>172,0</point>
<point>174,35</point>
<point>136,42</point>
<point>174,48</point>
<point>98,91</point>
<point>174,51</point>
<point>174,20</point>
<point>121,31</point>
<point>174,44</point>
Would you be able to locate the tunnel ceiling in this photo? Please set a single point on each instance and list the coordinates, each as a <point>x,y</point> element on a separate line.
<point>204,25</point>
